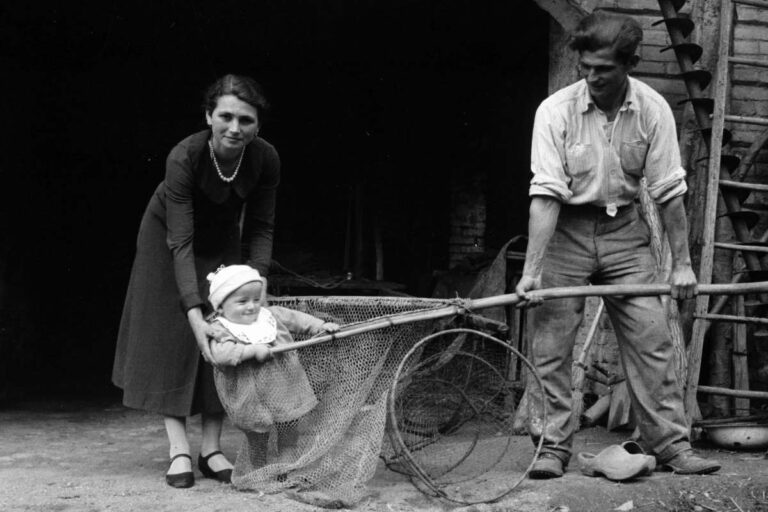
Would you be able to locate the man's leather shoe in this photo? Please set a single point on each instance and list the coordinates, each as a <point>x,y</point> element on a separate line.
<point>686,463</point>
<point>546,466</point>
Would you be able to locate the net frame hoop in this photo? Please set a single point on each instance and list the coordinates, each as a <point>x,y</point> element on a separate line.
<point>397,437</point>
<point>477,411</point>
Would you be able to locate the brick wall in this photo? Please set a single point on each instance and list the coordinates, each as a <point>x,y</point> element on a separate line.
<point>468,217</point>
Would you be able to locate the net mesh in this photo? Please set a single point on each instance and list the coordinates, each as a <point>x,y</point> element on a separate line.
<point>449,422</point>
<point>452,412</point>
<point>326,456</point>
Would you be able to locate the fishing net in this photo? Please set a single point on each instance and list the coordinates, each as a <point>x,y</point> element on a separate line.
<point>326,456</point>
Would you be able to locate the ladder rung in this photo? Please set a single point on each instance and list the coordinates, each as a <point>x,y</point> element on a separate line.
<point>741,247</point>
<point>761,63</point>
<point>743,393</point>
<point>759,187</point>
<point>753,3</point>
<point>747,120</point>
<point>733,318</point>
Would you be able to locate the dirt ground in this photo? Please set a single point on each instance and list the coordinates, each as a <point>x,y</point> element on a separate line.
<point>75,456</point>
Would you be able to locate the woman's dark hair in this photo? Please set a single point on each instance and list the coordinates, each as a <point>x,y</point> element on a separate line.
<point>242,87</point>
<point>602,29</point>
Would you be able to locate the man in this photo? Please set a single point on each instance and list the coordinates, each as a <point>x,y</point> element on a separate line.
<point>592,143</point>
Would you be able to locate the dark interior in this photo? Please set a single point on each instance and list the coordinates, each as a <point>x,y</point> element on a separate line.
<point>401,98</point>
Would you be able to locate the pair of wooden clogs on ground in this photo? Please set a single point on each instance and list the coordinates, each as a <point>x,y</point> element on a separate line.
<point>618,462</point>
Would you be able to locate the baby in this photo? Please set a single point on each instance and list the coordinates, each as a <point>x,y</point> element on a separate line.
<point>265,391</point>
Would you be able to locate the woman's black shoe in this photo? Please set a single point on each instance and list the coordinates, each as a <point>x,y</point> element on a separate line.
<point>180,480</point>
<point>225,475</point>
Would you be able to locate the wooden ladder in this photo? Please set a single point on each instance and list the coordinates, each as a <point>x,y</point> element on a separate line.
<point>725,175</point>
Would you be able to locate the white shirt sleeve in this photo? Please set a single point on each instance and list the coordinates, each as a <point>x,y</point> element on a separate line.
<point>548,156</point>
<point>664,173</point>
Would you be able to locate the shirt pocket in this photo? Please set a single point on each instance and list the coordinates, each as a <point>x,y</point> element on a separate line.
<point>580,159</point>
<point>632,155</point>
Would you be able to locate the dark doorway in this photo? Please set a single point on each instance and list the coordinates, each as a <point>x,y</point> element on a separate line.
<point>398,96</point>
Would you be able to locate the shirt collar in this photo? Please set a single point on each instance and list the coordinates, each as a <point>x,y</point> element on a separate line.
<point>630,100</point>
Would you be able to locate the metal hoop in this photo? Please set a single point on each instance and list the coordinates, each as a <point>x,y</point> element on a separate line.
<point>397,438</point>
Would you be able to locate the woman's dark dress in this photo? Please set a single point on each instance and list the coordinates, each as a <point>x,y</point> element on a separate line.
<point>190,227</point>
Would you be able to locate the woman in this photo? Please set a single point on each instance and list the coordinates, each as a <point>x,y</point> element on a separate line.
<point>215,207</point>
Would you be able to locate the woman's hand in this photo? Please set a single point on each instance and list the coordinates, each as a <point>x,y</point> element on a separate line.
<point>203,332</point>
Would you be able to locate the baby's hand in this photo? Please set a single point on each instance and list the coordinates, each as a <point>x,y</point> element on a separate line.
<point>331,327</point>
<point>262,352</point>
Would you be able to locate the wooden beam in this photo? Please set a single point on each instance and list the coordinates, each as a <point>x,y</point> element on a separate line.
<point>739,357</point>
<point>696,345</point>
<point>567,13</point>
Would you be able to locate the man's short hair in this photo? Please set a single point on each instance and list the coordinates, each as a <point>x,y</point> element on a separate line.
<point>602,29</point>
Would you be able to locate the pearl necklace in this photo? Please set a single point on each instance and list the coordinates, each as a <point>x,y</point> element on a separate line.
<point>216,164</point>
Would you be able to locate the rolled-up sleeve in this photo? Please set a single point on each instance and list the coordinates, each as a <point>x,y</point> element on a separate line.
<point>664,172</point>
<point>548,156</point>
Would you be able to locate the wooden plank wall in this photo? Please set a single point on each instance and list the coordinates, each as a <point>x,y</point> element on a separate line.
<point>749,94</point>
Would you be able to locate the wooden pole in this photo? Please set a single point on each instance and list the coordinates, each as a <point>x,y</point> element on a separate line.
<point>580,368</point>
<point>739,356</point>
<point>710,211</point>
<point>461,305</point>
<point>663,256</point>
